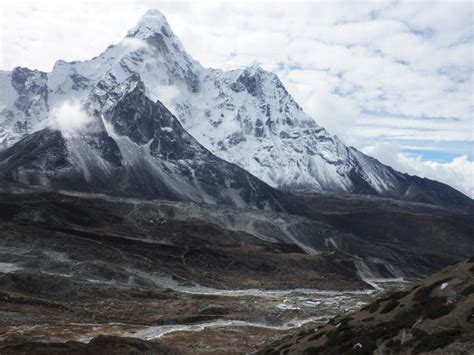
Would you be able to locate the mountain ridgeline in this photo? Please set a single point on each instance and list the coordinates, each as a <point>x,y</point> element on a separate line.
<point>133,147</point>
<point>163,126</point>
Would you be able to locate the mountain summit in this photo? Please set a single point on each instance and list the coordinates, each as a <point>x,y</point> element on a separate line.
<point>151,23</point>
<point>244,116</point>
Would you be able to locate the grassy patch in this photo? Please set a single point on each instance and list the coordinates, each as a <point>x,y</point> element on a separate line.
<point>314,350</point>
<point>436,340</point>
<point>394,345</point>
<point>316,336</point>
<point>371,308</point>
<point>424,292</point>
<point>399,295</point>
<point>468,290</point>
<point>470,317</point>
<point>304,333</point>
<point>436,307</point>
<point>391,305</point>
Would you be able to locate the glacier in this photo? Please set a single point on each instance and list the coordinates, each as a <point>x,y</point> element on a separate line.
<point>243,116</point>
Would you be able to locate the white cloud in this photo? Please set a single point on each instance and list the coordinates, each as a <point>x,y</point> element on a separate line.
<point>459,173</point>
<point>164,93</point>
<point>133,44</point>
<point>70,119</point>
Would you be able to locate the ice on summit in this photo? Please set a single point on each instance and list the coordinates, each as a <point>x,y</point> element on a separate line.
<point>152,22</point>
<point>245,116</point>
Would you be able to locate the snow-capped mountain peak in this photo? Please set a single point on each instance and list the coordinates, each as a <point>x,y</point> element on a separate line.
<point>244,116</point>
<point>151,23</point>
<point>152,37</point>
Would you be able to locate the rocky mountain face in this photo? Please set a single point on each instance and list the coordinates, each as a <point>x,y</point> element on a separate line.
<point>342,239</point>
<point>131,146</point>
<point>245,117</point>
<point>149,244</point>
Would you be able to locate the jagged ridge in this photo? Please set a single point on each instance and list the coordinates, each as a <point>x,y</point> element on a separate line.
<point>244,116</point>
<point>133,146</point>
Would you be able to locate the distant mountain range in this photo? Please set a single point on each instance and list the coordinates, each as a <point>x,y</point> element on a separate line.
<point>161,125</point>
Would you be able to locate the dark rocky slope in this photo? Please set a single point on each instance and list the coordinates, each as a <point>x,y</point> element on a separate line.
<point>435,316</point>
<point>143,244</point>
<point>104,345</point>
<point>214,234</point>
<point>132,147</point>
<point>430,236</point>
<point>67,262</point>
<point>404,239</point>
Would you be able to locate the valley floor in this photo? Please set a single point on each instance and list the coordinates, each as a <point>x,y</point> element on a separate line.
<point>85,274</point>
<point>193,320</point>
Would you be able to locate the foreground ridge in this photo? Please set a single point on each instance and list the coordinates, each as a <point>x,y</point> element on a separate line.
<point>433,316</point>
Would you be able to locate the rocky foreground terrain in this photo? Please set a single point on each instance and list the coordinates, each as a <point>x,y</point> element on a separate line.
<point>435,316</point>
<point>79,273</point>
<point>75,268</point>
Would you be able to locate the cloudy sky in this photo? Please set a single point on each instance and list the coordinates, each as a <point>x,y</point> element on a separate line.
<point>393,78</point>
